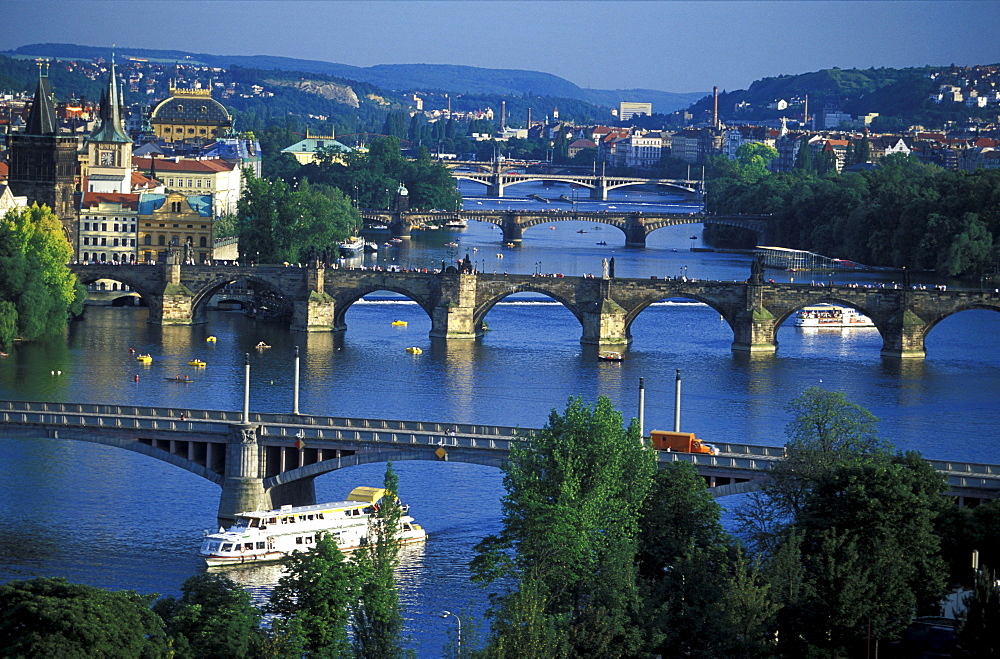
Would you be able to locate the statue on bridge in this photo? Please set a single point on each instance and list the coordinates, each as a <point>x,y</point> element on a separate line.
<point>604,268</point>
<point>757,270</point>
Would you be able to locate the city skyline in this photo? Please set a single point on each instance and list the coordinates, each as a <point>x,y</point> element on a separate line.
<point>668,46</point>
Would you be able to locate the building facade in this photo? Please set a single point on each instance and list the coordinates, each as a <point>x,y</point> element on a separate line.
<point>108,227</point>
<point>175,222</point>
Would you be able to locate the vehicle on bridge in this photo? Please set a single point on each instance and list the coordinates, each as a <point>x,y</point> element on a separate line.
<point>681,442</point>
<point>270,535</point>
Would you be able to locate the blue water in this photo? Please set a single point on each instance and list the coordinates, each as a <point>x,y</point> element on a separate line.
<point>121,520</point>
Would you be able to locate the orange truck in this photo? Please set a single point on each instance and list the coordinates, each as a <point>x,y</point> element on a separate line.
<point>681,442</point>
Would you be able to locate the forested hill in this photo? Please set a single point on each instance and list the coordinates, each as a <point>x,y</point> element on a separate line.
<point>450,78</point>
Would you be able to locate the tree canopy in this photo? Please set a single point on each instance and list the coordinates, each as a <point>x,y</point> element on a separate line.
<point>38,293</point>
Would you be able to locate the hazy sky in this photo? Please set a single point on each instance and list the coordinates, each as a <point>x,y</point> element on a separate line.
<point>656,44</point>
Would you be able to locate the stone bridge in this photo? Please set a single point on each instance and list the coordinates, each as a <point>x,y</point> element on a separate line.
<point>259,464</point>
<point>457,303</point>
<point>635,225</point>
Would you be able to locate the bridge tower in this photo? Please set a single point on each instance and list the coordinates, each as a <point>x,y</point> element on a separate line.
<point>454,314</point>
<point>605,323</point>
<point>177,300</point>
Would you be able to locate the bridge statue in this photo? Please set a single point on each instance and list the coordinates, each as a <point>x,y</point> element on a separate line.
<point>604,268</point>
<point>757,271</point>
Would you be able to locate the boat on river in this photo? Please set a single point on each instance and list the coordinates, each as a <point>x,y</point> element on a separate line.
<point>269,535</point>
<point>830,315</point>
<point>198,363</point>
<point>609,356</point>
<point>352,246</point>
<point>144,359</point>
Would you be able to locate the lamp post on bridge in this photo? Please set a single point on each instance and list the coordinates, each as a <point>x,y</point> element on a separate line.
<point>246,391</point>
<point>295,397</point>
<point>445,614</point>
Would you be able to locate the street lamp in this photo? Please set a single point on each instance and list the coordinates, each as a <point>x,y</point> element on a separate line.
<point>445,614</point>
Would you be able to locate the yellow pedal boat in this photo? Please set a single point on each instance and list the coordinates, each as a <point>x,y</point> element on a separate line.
<point>211,339</point>
<point>414,350</point>
<point>145,359</point>
<point>196,362</point>
<point>399,323</point>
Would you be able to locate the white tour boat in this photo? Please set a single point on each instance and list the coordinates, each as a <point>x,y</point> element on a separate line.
<point>830,315</point>
<point>351,246</point>
<point>269,535</point>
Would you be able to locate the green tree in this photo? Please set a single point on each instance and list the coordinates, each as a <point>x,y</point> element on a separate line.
<point>574,491</point>
<point>215,617</point>
<point>378,622</point>
<point>312,601</point>
<point>978,623</point>
<point>54,618</point>
<point>40,291</point>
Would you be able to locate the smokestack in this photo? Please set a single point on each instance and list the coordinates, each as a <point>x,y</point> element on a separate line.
<point>715,107</point>
<point>555,113</point>
<point>805,113</point>
<point>529,118</point>
<point>503,114</point>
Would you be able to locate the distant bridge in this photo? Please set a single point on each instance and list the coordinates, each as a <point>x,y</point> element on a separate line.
<point>258,465</point>
<point>605,306</point>
<point>497,180</point>
<point>635,225</point>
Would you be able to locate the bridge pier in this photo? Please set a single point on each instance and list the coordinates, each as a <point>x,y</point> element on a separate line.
<point>176,304</point>
<point>399,226</point>
<point>513,232</point>
<point>243,483</point>
<point>454,315</point>
<point>600,191</point>
<point>903,336</point>
<point>754,332</point>
<point>605,325</point>
<point>635,231</point>
<point>317,312</point>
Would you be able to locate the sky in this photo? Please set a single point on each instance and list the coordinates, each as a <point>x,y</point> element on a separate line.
<point>673,46</point>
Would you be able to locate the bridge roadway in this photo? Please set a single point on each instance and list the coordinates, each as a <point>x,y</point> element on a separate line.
<point>258,464</point>
<point>635,225</point>
<point>457,303</point>
<point>599,184</point>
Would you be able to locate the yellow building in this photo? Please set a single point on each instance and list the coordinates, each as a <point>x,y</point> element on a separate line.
<point>172,221</point>
<point>305,150</point>
<point>190,114</point>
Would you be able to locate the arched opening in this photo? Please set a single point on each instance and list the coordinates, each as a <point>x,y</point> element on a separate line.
<point>113,293</point>
<point>531,322</point>
<point>384,320</point>
<point>828,330</point>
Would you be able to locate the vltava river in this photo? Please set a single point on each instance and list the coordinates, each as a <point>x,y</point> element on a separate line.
<point>117,519</point>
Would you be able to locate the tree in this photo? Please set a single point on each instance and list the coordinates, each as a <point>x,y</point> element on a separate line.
<point>574,491</point>
<point>378,622</point>
<point>38,293</point>
<point>54,618</point>
<point>312,602</point>
<point>214,617</point>
<point>978,623</point>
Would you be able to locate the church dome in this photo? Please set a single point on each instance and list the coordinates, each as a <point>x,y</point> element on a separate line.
<point>190,109</point>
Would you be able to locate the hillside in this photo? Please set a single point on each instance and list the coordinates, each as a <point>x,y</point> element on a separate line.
<point>456,79</point>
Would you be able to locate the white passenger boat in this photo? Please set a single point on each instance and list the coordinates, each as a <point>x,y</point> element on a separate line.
<point>457,224</point>
<point>830,315</point>
<point>352,246</point>
<point>269,535</point>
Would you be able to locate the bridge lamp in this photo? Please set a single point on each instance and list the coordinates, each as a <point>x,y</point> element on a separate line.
<point>445,614</point>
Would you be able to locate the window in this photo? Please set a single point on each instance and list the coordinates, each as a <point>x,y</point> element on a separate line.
<point>86,226</point>
<point>148,240</point>
<point>104,226</point>
<point>261,545</point>
<point>115,243</point>
<point>227,546</point>
<point>86,241</point>
<point>132,241</point>
<point>104,242</point>
<point>298,540</point>
<point>203,242</point>
<point>162,241</point>
<point>116,226</point>
<point>86,256</point>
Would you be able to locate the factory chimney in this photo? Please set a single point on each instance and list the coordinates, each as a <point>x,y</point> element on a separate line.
<point>529,118</point>
<point>805,113</point>
<point>503,115</point>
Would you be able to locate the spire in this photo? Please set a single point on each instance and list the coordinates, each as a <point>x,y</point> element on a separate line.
<point>42,119</point>
<point>110,129</point>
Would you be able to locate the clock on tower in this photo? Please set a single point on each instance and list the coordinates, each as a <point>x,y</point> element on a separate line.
<point>107,158</point>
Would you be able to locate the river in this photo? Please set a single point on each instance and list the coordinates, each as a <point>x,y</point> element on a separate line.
<point>116,519</point>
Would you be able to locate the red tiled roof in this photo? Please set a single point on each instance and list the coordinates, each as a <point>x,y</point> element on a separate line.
<point>93,199</point>
<point>4,171</point>
<point>186,166</point>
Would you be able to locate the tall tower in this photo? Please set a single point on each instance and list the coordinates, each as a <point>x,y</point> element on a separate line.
<point>715,108</point>
<point>43,163</point>
<point>109,149</point>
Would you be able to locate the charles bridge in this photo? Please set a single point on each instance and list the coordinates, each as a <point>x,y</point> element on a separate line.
<point>635,225</point>
<point>457,302</point>
<point>262,461</point>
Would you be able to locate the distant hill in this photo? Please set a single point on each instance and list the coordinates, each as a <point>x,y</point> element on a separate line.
<point>399,77</point>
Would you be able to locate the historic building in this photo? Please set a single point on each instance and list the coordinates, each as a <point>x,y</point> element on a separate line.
<point>106,161</point>
<point>175,222</point>
<point>219,178</point>
<point>43,161</point>
<point>190,114</point>
<point>108,227</point>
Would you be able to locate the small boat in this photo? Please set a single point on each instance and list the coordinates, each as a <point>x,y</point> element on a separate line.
<point>581,231</point>
<point>270,535</point>
<point>261,346</point>
<point>451,243</point>
<point>414,350</point>
<point>395,241</point>
<point>457,224</point>
<point>182,380</point>
<point>552,228</point>
<point>511,245</point>
<point>830,315</point>
<point>399,323</point>
<point>603,242</point>
<point>144,359</point>
<point>609,356</point>
<point>197,362</point>
<point>371,247</point>
<point>211,339</point>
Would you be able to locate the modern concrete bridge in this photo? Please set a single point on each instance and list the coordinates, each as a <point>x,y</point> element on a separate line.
<point>598,184</point>
<point>457,303</point>
<point>635,225</point>
<point>258,464</point>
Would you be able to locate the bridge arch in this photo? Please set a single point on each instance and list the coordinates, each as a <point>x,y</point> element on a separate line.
<point>634,312</point>
<point>959,308</point>
<point>346,299</point>
<point>487,305</point>
<point>199,304</point>
<point>665,184</point>
<point>120,274</point>
<point>827,299</point>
